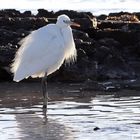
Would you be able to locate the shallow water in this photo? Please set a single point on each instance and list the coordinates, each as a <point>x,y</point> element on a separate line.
<point>70,117</point>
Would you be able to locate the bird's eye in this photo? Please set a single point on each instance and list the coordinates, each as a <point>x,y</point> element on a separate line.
<point>66,21</point>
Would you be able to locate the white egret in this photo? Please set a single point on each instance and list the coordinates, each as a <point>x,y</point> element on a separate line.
<point>43,52</point>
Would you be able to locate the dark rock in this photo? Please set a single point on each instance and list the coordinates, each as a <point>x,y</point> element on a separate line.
<point>115,67</point>
<point>111,85</point>
<point>9,13</point>
<point>118,14</point>
<point>123,17</point>
<point>70,73</point>
<point>74,14</point>
<point>133,85</point>
<point>101,17</point>
<point>27,14</point>
<point>96,128</point>
<point>109,52</point>
<point>6,55</point>
<point>109,42</point>
<point>45,13</point>
<point>87,47</point>
<point>82,60</point>
<point>7,36</point>
<point>124,38</point>
<point>85,23</point>
<point>27,23</point>
<point>134,27</point>
<point>4,75</point>
<point>111,25</point>
<point>106,86</point>
<point>137,14</point>
<point>81,35</point>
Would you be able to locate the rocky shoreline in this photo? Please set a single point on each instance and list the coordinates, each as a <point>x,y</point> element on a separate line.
<point>108,46</point>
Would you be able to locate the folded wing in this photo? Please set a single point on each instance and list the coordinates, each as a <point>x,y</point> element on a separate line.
<point>41,51</point>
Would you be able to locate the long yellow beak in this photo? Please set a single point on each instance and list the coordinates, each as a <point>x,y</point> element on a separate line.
<point>75,24</point>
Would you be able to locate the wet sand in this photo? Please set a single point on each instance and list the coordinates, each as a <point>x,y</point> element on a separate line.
<point>72,114</point>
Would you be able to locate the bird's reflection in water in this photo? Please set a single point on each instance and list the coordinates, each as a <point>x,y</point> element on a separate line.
<point>45,118</point>
<point>38,126</point>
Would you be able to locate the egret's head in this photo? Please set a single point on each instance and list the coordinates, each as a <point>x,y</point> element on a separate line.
<point>64,21</point>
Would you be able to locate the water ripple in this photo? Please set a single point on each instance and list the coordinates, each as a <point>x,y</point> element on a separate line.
<point>73,119</point>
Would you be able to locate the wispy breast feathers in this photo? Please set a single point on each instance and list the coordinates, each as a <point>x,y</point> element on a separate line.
<point>19,54</point>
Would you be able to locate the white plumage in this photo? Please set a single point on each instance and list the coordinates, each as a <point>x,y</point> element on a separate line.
<point>44,50</point>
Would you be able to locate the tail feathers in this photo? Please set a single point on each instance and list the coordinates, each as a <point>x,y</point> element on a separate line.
<point>18,76</point>
<point>17,79</point>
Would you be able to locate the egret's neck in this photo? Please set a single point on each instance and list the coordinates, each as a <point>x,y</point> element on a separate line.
<point>66,33</point>
<point>69,46</point>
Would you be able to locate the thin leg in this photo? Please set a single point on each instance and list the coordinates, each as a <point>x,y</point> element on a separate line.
<point>45,93</point>
<point>45,119</point>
